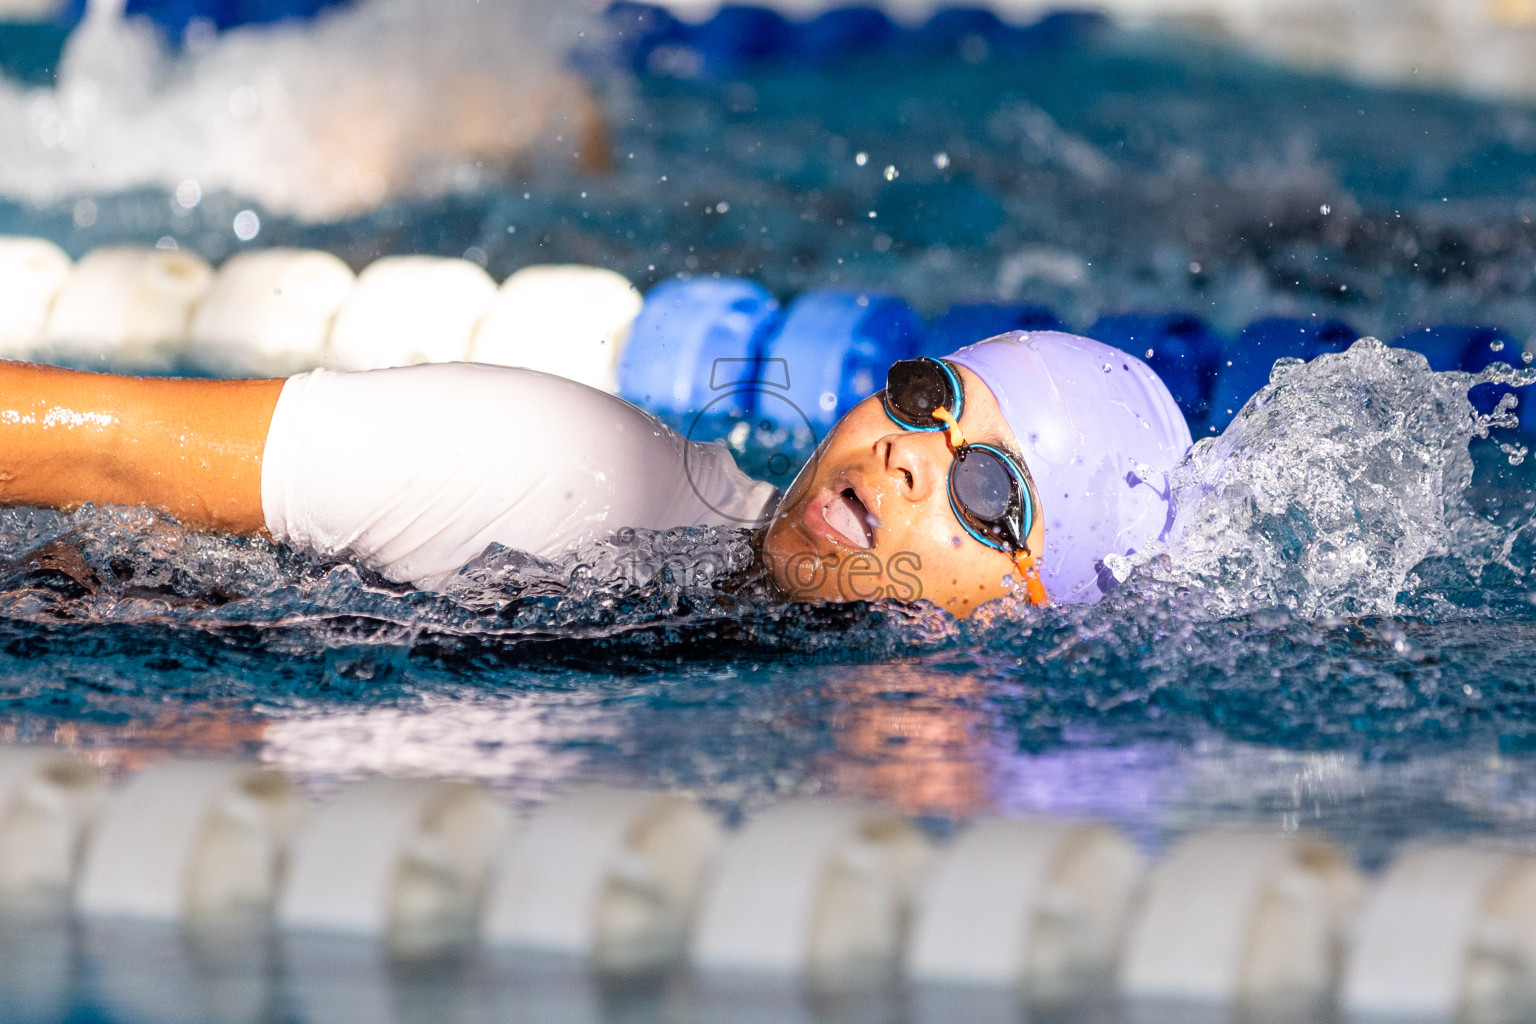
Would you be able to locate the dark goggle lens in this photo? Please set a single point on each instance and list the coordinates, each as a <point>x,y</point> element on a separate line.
<point>986,493</point>
<point>914,388</point>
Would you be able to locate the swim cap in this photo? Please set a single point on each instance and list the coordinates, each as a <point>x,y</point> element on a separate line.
<point>1099,432</point>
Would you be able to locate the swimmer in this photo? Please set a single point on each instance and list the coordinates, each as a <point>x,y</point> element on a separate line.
<point>1013,465</point>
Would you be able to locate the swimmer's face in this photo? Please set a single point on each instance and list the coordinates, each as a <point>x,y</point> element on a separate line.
<point>869,515</point>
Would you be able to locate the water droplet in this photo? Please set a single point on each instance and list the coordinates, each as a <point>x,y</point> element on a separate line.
<point>1325,209</point>
<point>247,225</point>
<point>861,158</point>
<point>1497,344</point>
<point>891,173</point>
<point>941,160</point>
<point>1151,353</point>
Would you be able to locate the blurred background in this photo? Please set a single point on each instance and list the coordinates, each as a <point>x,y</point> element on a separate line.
<point>1232,159</point>
<point>626,193</point>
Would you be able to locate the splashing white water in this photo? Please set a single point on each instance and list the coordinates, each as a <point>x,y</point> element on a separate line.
<point>317,120</point>
<point>1331,485</point>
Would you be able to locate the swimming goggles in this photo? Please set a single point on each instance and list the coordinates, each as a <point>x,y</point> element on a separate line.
<point>988,488</point>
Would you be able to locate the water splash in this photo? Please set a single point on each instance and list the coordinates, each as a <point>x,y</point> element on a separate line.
<point>1340,490</point>
<point>384,99</point>
<point>1331,486</point>
<point>623,604</point>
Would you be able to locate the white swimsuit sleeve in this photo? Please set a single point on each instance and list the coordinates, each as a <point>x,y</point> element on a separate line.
<point>415,471</point>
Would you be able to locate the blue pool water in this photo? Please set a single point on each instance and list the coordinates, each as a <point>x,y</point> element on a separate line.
<point>1338,635</point>
<point>1092,170</point>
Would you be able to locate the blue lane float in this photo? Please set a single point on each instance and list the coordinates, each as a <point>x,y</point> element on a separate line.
<point>694,340</point>
<point>1444,347</point>
<point>836,347</point>
<point>833,35</point>
<point>739,36</point>
<point>651,40</point>
<point>1244,368</point>
<point>1472,349</point>
<point>965,324</point>
<point>175,15</point>
<point>1181,349</point>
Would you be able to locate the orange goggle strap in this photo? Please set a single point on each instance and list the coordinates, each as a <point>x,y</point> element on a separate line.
<point>956,438</point>
<point>1023,559</point>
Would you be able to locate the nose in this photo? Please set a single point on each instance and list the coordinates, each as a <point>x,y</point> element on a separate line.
<point>917,461</point>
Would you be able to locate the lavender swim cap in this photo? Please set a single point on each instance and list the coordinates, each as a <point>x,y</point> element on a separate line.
<point>1099,432</point>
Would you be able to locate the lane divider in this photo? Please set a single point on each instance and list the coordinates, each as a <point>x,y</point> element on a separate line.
<point>1449,932</point>
<point>410,309</point>
<point>402,861</point>
<point>713,345</point>
<point>199,841</point>
<point>269,312</point>
<point>1241,919</point>
<point>830,895</point>
<point>32,273</point>
<point>125,304</point>
<point>48,800</point>
<point>613,876</point>
<point>568,320</point>
<point>1040,906</point>
<point>818,891</point>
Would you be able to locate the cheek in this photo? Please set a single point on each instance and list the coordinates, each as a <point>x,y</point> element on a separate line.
<point>956,573</point>
<point>781,544</point>
<point>803,481</point>
<point>930,527</point>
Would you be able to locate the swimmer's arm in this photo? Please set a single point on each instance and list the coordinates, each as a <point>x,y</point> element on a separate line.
<point>188,447</point>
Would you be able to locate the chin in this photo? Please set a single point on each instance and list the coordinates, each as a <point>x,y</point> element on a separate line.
<point>780,544</point>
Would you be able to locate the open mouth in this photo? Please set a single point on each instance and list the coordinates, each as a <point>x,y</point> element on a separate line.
<point>850,519</point>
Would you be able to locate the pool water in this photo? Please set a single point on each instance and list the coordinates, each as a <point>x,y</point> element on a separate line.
<point>1337,636</point>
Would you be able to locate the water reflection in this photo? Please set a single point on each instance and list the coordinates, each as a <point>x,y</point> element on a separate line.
<point>54,969</point>
<point>911,737</point>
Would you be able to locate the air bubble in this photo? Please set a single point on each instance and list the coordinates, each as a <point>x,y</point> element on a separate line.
<point>247,225</point>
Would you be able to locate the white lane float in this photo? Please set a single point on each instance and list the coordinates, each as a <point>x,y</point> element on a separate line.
<point>32,273</point>
<point>48,800</point>
<point>128,305</point>
<point>270,311</point>
<point>812,890</point>
<point>32,10</point>
<point>609,875</point>
<point>571,321</point>
<point>190,840</point>
<point>410,309</point>
<point>1239,919</point>
<point>404,862</point>
<point>1037,906</point>
<point>1448,933</point>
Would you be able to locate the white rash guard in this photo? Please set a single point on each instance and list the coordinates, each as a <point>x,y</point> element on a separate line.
<point>415,471</point>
